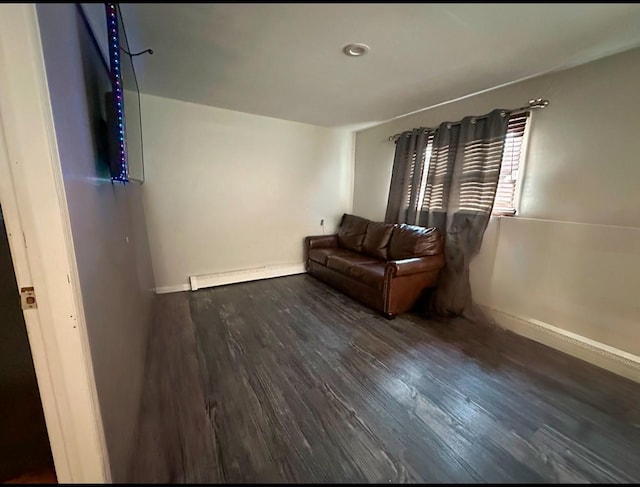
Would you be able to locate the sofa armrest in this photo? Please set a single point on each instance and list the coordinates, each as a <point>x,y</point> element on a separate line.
<point>416,265</point>
<point>321,241</point>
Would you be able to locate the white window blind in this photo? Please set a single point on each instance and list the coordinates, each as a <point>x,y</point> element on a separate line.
<point>427,158</point>
<point>505,202</point>
<point>412,170</point>
<point>418,160</point>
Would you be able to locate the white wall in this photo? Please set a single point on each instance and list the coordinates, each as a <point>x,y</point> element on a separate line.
<point>229,191</point>
<point>571,258</point>
<point>584,278</point>
<point>108,228</point>
<point>96,16</point>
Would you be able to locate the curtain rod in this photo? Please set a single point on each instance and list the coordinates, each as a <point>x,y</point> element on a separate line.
<point>537,103</point>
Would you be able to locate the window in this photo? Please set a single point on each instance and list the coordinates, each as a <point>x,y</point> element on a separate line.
<point>505,202</point>
<point>418,162</point>
<point>427,158</point>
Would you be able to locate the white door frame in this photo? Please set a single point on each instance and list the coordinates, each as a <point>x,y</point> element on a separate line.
<point>37,219</point>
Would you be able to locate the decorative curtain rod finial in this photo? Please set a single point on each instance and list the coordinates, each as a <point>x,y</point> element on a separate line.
<point>538,103</point>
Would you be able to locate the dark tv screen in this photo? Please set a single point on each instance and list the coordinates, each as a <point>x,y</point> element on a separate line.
<point>124,120</point>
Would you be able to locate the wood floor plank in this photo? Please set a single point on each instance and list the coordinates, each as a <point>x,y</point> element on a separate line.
<point>175,440</point>
<point>287,380</point>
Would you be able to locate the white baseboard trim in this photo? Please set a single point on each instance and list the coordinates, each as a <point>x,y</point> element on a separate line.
<point>172,289</point>
<point>244,275</point>
<point>610,358</point>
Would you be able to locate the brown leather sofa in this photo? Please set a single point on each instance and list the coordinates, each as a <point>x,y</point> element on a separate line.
<point>385,266</point>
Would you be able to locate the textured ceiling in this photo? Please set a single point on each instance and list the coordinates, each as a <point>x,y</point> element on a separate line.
<point>286,60</point>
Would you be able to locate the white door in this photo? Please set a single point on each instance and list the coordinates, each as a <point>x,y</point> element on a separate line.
<point>37,220</point>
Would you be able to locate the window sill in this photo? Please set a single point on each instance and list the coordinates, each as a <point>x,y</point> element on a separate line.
<point>504,213</point>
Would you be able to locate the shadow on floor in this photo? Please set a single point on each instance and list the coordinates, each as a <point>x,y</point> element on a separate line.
<point>287,380</point>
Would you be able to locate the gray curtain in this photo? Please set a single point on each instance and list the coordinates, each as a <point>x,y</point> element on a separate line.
<point>408,166</point>
<point>461,188</point>
<point>458,198</point>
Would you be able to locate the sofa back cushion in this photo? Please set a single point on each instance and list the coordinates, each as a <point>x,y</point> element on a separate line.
<point>376,240</point>
<point>352,231</point>
<point>409,241</point>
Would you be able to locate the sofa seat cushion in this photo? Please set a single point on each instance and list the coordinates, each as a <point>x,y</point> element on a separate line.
<point>343,262</point>
<point>408,241</point>
<point>320,255</point>
<point>376,240</point>
<point>370,274</point>
<point>352,231</point>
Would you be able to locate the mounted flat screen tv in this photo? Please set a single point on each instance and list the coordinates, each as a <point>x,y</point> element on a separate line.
<point>126,161</point>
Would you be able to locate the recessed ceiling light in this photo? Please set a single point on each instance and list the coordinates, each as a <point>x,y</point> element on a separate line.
<point>356,49</point>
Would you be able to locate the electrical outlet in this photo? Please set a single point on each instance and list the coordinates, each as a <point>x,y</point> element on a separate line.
<point>322,222</point>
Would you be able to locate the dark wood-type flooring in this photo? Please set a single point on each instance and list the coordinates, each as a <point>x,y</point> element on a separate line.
<point>287,380</point>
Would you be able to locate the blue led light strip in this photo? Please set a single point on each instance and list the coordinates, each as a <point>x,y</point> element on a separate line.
<point>114,59</point>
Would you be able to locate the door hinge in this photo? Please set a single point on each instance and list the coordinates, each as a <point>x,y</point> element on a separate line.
<point>28,298</point>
